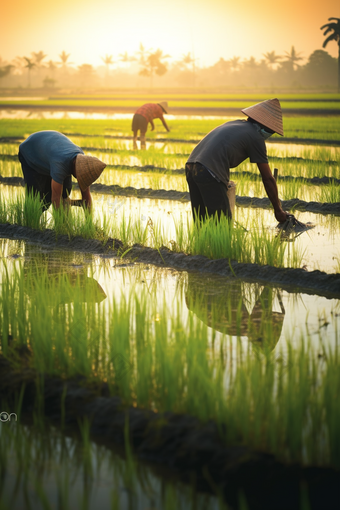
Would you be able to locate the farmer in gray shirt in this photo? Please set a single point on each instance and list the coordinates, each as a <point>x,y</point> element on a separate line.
<point>48,160</point>
<point>208,167</point>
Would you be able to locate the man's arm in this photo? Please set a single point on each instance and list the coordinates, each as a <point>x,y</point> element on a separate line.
<point>271,190</point>
<point>164,123</point>
<point>57,190</point>
<point>87,199</point>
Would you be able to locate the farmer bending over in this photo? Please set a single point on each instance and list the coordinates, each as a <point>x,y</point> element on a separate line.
<point>143,116</point>
<point>48,160</point>
<point>228,145</point>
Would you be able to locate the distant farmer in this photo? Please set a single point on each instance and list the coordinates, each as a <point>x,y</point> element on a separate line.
<point>208,167</point>
<point>48,160</point>
<point>143,116</point>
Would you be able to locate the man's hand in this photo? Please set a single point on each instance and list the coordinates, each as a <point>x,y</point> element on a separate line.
<point>281,216</point>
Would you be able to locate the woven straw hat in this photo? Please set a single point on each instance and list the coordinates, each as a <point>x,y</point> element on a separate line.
<point>164,105</point>
<point>268,113</point>
<point>88,169</point>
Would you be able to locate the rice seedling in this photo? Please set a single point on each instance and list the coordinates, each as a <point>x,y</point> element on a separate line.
<point>286,408</point>
<point>301,127</point>
<point>10,169</point>
<point>221,239</point>
<point>330,193</point>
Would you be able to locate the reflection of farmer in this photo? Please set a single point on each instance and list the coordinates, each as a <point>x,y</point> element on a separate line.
<point>143,116</point>
<point>67,276</point>
<point>48,160</point>
<point>207,169</point>
<point>219,303</point>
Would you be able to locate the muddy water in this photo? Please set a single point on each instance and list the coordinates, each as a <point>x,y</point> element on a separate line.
<point>89,479</point>
<point>294,316</point>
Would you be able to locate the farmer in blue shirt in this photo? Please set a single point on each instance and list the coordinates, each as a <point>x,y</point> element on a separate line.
<point>48,160</point>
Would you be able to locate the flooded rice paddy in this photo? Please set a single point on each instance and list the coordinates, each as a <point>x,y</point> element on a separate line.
<point>317,248</point>
<point>258,359</point>
<point>296,314</point>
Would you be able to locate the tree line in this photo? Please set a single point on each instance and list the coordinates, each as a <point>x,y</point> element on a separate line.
<point>147,67</point>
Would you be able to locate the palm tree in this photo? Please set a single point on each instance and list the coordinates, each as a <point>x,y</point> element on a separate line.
<point>29,65</point>
<point>52,66</point>
<point>250,63</point>
<point>335,36</point>
<point>125,57</point>
<point>153,65</point>
<point>64,58</point>
<point>271,58</point>
<point>38,57</point>
<point>5,70</point>
<point>108,61</point>
<point>235,63</point>
<point>293,57</point>
<point>186,61</point>
<point>141,54</point>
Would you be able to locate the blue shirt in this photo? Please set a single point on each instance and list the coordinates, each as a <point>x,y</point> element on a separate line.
<point>50,153</point>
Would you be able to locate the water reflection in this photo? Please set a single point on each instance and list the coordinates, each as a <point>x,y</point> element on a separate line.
<point>230,306</point>
<point>51,114</point>
<point>223,305</point>
<point>83,474</point>
<point>58,269</point>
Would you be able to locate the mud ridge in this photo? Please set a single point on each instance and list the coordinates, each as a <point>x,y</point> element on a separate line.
<point>178,441</point>
<point>292,280</point>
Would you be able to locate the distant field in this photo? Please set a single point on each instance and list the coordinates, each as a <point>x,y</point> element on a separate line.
<point>299,127</point>
<point>133,104</point>
<point>180,102</point>
<point>204,96</point>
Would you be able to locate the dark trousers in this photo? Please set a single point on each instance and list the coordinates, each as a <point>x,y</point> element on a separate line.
<point>139,123</point>
<point>40,185</point>
<point>208,196</point>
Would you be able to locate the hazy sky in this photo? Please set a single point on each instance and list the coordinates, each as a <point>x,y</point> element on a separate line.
<point>211,29</point>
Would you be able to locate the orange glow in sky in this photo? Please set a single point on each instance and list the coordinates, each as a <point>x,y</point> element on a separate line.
<point>212,29</point>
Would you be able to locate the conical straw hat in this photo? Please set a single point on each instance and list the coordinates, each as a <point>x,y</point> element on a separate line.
<point>164,105</point>
<point>88,169</point>
<point>268,113</point>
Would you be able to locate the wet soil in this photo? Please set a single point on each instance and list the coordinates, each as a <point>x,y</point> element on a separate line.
<point>292,280</point>
<point>191,449</point>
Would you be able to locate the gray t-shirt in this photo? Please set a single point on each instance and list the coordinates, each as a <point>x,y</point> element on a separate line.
<point>227,146</point>
<point>50,153</point>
